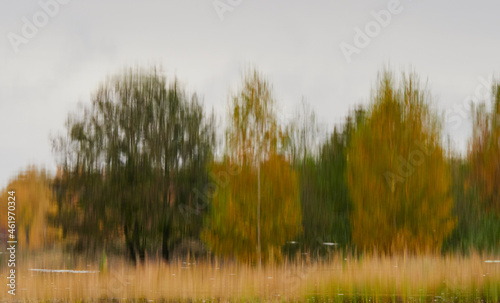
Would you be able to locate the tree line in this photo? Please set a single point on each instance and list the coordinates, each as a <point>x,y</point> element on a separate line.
<point>138,173</point>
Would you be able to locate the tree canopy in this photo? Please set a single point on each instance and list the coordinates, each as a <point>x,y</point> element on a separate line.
<point>398,178</point>
<point>264,194</point>
<point>33,203</point>
<point>130,159</point>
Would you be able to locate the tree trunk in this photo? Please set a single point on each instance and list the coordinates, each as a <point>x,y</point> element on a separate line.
<point>130,245</point>
<point>165,250</point>
<point>27,232</point>
<point>258,217</point>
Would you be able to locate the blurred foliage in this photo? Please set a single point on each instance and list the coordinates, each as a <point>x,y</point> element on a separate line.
<point>34,201</point>
<point>484,154</point>
<point>264,194</point>
<point>398,178</point>
<point>477,229</point>
<point>231,225</point>
<point>253,133</point>
<point>324,194</point>
<point>129,161</point>
<point>138,171</point>
<point>476,183</point>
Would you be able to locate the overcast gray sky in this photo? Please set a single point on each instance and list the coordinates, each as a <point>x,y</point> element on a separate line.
<point>53,56</point>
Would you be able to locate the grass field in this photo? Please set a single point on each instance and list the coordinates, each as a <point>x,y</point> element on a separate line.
<point>339,279</point>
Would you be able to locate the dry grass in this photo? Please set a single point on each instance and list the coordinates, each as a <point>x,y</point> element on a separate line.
<point>427,278</point>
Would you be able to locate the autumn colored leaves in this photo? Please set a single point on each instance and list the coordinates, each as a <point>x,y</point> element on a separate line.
<point>397,174</point>
<point>134,164</point>
<point>259,211</point>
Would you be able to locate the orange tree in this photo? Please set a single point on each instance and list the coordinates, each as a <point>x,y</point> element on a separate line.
<point>484,153</point>
<point>34,203</point>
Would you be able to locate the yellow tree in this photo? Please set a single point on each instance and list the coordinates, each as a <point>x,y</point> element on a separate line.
<point>259,209</point>
<point>34,202</point>
<point>397,175</point>
<point>231,223</point>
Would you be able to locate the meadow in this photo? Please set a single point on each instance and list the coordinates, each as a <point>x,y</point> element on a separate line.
<point>338,278</point>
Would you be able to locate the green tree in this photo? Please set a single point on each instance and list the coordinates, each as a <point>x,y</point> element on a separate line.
<point>477,228</point>
<point>130,160</point>
<point>398,178</point>
<point>325,198</point>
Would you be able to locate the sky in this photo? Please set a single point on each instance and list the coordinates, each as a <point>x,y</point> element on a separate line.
<point>54,54</point>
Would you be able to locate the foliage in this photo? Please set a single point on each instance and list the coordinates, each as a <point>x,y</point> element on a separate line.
<point>137,171</point>
<point>325,198</point>
<point>476,181</point>
<point>477,229</point>
<point>303,133</point>
<point>34,202</point>
<point>231,228</point>
<point>266,198</point>
<point>253,132</point>
<point>130,160</point>
<point>484,154</point>
<point>397,175</point>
